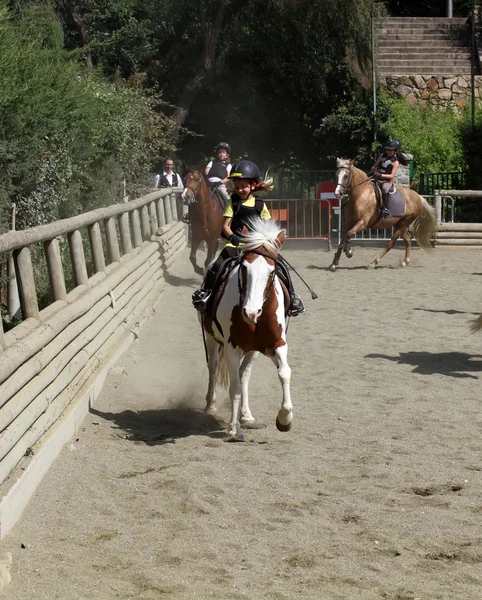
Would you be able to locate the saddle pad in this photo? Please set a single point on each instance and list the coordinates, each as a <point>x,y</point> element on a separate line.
<point>396,204</point>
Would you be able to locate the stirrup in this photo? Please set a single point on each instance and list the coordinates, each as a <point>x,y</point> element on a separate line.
<point>186,219</point>
<point>200,299</point>
<point>386,213</point>
<point>296,307</point>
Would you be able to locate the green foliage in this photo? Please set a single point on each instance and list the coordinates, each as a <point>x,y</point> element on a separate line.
<point>68,137</point>
<point>431,134</point>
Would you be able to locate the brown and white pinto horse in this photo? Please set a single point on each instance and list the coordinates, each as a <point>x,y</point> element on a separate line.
<point>206,217</point>
<point>249,318</point>
<point>362,212</point>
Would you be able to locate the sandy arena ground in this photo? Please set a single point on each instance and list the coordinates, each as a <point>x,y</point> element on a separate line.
<point>375,494</point>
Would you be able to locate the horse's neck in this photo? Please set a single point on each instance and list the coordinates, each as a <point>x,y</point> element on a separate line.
<point>358,176</point>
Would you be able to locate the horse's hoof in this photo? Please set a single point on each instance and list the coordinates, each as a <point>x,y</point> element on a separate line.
<point>332,268</point>
<point>232,437</point>
<point>371,266</point>
<point>349,254</point>
<point>281,427</point>
<point>248,422</point>
<point>210,410</point>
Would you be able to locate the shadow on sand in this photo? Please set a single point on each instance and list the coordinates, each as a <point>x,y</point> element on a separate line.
<point>181,281</point>
<point>158,427</point>
<point>452,364</point>
<point>450,311</point>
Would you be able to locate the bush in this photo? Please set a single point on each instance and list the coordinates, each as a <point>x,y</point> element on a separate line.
<point>68,137</point>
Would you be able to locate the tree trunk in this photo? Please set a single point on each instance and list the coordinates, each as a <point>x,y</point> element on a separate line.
<point>207,69</point>
<point>78,20</point>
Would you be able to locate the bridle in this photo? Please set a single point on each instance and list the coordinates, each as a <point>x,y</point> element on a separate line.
<point>192,197</point>
<point>270,284</point>
<point>348,187</point>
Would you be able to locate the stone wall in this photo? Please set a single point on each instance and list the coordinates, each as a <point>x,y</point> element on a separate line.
<point>444,91</point>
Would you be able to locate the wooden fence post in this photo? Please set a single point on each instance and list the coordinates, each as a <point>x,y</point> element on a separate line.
<point>161,215</point>
<point>26,283</point>
<point>55,269</point>
<point>174,207</point>
<point>112,241</point>
<point>125,233</point>
<point>77,257</point>
<point>96,247</point>
<point>438,207</point>
<point>136,228</point>
<point>146,230</point>
<point>167,209</point>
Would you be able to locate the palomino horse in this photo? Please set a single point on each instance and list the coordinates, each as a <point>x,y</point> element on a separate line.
<point>249,318</point>
<point>362,211</point>
<point>206,217</point>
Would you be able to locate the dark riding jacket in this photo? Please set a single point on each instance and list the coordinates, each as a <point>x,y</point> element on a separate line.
<point>243,215</point>
<point>219,169</point>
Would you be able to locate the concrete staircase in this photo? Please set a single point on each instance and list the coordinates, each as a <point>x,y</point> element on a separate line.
<point>422,46</point>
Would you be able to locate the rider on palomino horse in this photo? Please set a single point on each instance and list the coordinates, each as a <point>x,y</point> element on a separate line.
<point>384,171</point>
<point>242,208</point>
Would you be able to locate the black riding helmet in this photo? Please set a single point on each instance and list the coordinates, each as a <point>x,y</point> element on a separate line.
<point>224,146</point>
<point>245,169</point>
<point>392,145</point>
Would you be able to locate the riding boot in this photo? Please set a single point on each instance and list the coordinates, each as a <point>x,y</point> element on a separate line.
<point>385,211</point>
<point>296,303</point>
<point>201,296</point>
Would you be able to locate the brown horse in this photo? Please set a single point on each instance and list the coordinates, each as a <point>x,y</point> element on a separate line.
<point>206,217</point>
<point>362,211</point>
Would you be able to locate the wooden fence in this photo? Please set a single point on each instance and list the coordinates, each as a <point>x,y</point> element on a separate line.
<point>50,364</point>
<point>455,234</point>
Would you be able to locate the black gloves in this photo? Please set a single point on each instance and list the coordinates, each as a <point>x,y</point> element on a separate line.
<point>234,239</point>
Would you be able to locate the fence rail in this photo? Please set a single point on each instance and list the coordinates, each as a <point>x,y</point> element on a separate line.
<point>303,219</point>
<point>50,359</point>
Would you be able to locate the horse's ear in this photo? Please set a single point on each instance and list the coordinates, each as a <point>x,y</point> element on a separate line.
<point>353,162</point>
<point>244,230</point>
<point>281,238</point>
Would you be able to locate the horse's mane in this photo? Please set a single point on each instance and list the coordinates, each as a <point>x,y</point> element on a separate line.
<point>263,233</point>
<point>348,163</point>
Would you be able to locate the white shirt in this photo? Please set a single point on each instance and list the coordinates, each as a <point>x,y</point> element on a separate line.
<point>213,179</point>
<point>177,183</point>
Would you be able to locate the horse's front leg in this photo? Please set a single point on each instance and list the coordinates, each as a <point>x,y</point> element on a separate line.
<point>211,253</point>
<point>245,374</point>
<point>348,250</point>
<point>233,358</point>
<point>284,420</point>
<point>339,250</point>
<point>345,244</point>
<point>195,241</point>
<point>213,349</point>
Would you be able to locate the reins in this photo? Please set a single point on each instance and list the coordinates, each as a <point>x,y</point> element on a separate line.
<point>195,191</point>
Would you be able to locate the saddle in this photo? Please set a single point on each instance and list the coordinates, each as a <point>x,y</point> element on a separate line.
<point>396,201</point>
<point>218,196</point>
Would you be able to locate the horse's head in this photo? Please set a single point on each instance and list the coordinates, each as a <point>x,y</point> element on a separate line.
<point>256,274</point>
<point>195,183</point>
<point>344,176</point>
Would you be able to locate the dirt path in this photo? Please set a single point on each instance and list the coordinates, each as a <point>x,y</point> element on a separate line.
<point>376,493</point>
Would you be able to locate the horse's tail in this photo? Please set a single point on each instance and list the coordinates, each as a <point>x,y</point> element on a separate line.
<point>425,226</point>
<point>222,374</point>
